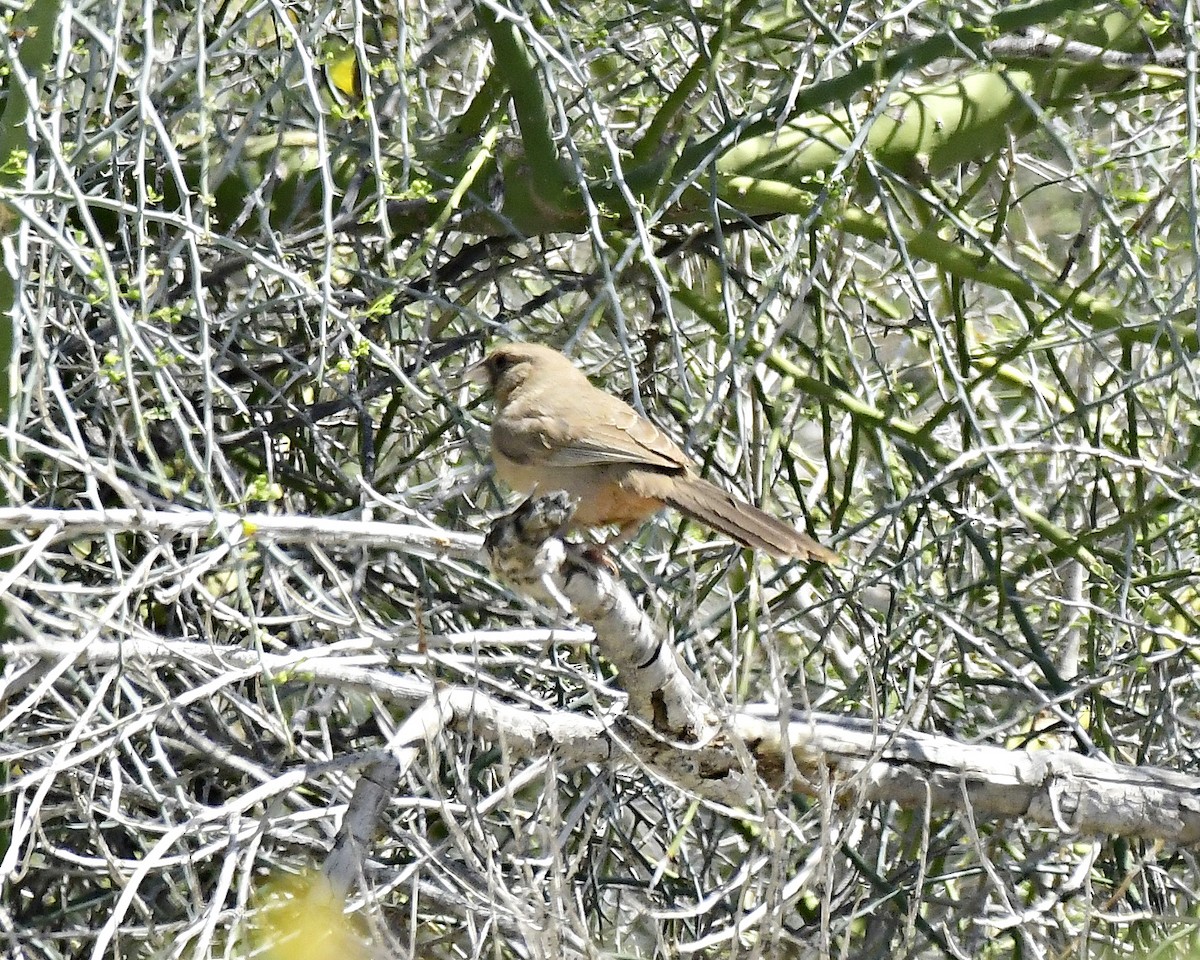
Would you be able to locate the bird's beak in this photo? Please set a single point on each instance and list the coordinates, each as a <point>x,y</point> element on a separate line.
<point>475,373</point>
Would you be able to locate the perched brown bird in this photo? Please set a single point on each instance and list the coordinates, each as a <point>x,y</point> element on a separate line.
<point>553,431</point>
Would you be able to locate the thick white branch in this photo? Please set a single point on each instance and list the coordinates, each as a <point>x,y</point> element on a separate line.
<point>875,761</point>
<point>1057,789</point>
<point>525,548</point>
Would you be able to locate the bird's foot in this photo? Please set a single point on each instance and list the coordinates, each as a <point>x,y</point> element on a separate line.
<point>597,555</point>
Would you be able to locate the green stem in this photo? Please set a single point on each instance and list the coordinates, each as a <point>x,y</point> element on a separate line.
<point>850,85</point>
<point>705,65</point>
<point>519,75</point>
<point>983,268</point>
<point>754,195</point>
<point>37,24</point>
<point>918,438</point>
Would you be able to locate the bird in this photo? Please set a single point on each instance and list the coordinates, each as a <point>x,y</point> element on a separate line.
<point>553,430</point>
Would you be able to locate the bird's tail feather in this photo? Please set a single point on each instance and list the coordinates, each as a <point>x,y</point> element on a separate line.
<point>748,525</point>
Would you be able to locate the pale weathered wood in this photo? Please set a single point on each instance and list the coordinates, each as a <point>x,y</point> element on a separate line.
<point>672,726</point>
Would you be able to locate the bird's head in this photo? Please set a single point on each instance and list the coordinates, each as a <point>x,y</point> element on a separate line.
<point>513,365</point>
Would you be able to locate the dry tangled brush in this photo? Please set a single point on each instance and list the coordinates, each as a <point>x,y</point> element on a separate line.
<point>226,315</point>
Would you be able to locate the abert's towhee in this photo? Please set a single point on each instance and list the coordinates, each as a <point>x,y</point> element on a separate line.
<point>553,431</point>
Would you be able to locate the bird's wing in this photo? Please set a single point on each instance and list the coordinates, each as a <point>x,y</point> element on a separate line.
<point>615,434</point>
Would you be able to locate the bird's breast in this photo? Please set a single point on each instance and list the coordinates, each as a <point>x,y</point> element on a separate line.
<point>605,494</point>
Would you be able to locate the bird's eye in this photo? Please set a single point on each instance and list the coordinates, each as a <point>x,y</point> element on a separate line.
<point>501,363</point>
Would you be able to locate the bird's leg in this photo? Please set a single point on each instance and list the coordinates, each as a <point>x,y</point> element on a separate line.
<point>598,552</point>
<point>624,534</point>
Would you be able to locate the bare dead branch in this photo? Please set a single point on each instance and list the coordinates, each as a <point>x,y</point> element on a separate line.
<point>870,759</point>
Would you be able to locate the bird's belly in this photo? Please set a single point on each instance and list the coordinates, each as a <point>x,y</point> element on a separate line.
<point>604,493</point>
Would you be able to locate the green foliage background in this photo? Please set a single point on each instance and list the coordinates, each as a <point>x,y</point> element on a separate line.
<point>922,278</point>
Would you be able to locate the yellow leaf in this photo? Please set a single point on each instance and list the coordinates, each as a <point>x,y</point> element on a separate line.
<point>345,75</point>
<point>300,918</point>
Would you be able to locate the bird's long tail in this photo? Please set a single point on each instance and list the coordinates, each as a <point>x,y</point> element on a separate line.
<point>748,525</point>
